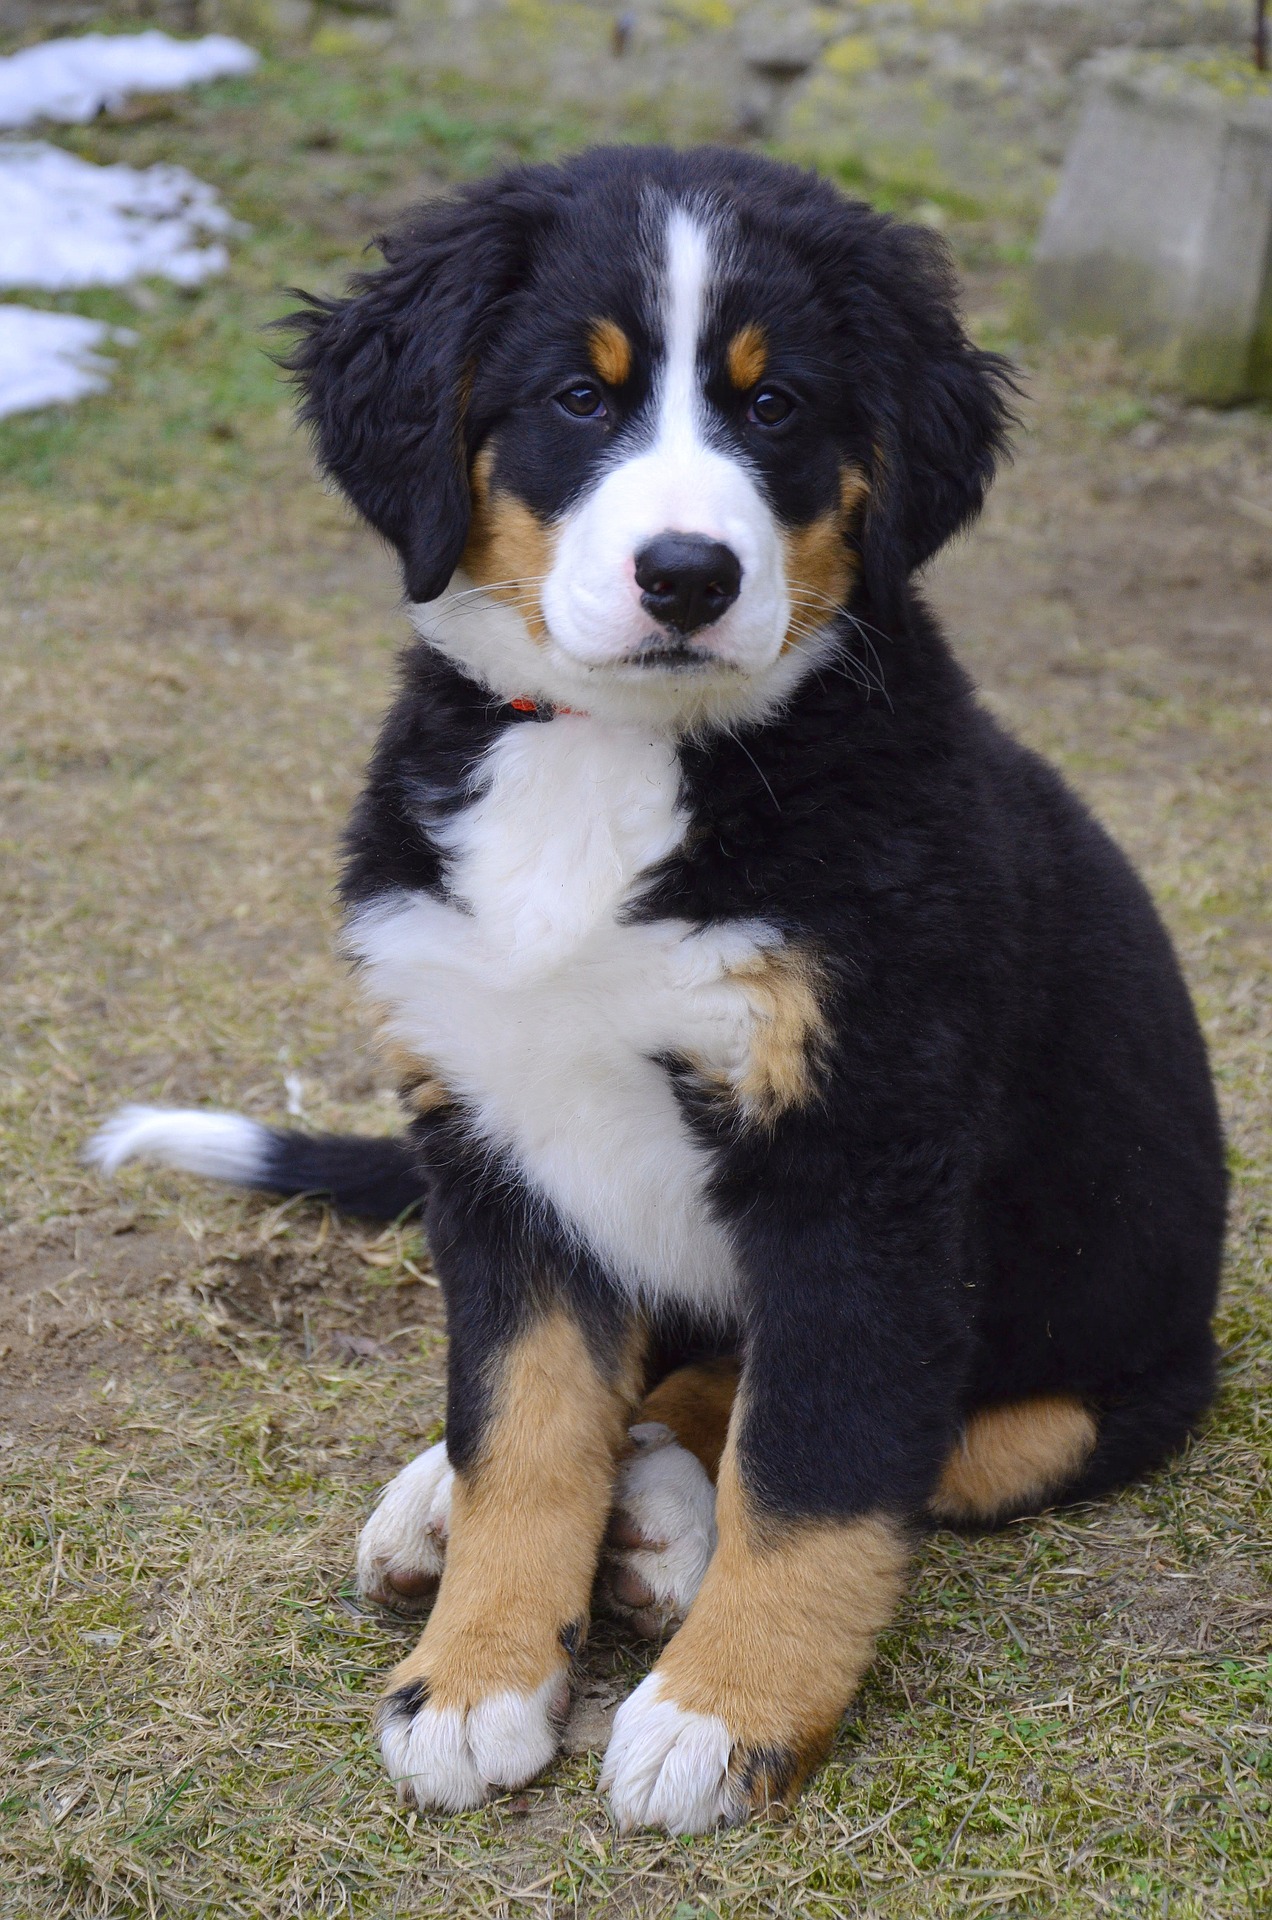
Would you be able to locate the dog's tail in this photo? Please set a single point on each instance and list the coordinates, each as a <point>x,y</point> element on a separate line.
<point>377,1179</point>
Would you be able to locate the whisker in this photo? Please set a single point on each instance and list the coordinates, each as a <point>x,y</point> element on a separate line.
<point>850,670</point>
<point>868,675</point>
<point>528,580</point>
<point>524,601</point>
<point>739,742</point>
<point>864,629</point>
<point>806,588</point>
<point>810,597</point>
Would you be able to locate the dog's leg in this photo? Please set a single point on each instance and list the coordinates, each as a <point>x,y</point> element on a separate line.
<point>745,1700</point>
<point>845,1412</point>
<point>479,1703</point>
<point>662,1531</point>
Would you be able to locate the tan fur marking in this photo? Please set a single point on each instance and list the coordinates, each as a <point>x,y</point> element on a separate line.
<point>1012,1458</point>
<point>696,1402</point>
<point>610,352</point>
<point>526,1523</point>
<point>509,550</point>
<point>782,1629</point>
<point>819,565</point>
<point>418,1085</point>
<point>854,488</point>
<point>479,475</point>
<point>747,356</point>
<point>783,987</point>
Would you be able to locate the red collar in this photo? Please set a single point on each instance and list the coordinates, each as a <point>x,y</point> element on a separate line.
<point>544,709</point>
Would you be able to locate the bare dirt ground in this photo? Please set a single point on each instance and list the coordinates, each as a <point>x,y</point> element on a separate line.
<point>200,1393</point>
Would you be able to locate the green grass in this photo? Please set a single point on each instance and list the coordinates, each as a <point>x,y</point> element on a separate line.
<point>199,1394</point>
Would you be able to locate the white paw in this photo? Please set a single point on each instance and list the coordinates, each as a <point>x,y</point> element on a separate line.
<point>451,1758</point>
<point>402,1547</point>
<point>665,1767</point>
<point>662,1533</point>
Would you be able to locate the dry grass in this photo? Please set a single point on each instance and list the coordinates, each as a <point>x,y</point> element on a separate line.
<point>200,1393</point>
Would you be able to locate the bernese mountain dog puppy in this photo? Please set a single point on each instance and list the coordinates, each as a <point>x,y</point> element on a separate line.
<point>812,1130</point>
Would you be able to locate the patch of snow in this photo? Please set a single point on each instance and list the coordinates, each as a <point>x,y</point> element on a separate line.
<point>50,358</point>
<point>68,223</point>
<point>72,80</point>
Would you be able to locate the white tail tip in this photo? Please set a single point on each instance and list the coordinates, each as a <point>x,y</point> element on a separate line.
<point>223,1146</point>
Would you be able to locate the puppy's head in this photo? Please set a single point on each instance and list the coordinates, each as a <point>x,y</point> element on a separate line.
<point>643,424</point>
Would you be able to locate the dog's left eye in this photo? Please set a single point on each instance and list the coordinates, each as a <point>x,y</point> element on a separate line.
<point>583,402</point>
<point>769,407</point>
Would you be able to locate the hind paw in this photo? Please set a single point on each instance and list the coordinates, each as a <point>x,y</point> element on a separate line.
<point>402,1547</point>
<point>662,1533</point>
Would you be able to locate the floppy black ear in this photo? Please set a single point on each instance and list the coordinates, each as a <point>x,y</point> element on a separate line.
<point>940,418</point>
<point>384,373</point>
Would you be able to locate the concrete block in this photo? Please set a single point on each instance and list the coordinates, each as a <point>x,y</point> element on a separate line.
<point>1161,231</point>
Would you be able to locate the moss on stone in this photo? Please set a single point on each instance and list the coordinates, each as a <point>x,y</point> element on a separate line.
<point>855,54</point>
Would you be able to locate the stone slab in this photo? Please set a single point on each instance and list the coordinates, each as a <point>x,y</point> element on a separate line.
<point>1161,231</point>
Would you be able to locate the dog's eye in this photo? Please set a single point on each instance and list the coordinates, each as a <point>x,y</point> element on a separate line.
<point>583,402</point>
<point>769,408</point>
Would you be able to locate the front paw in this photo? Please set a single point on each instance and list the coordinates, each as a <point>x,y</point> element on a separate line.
<point>662,1533</point>
<point>402,1547</point>
<point>454,1757</point>
<point>669,1767</point>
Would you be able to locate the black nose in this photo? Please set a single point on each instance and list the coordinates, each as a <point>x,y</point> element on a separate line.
<point>686,580</point>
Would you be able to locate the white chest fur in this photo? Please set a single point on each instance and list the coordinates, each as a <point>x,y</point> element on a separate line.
<point>545,1014</point>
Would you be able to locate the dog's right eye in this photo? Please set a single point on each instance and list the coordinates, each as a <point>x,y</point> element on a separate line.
<point>582,402</point>
<point>770,407</point>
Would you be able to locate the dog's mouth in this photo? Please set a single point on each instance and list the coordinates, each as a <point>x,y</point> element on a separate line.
<point>670,652</point>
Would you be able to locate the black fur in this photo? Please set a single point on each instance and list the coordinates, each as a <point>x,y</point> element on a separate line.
<point>373,1179</point>
<point>1013,1180</point>
<point>406,1701</point>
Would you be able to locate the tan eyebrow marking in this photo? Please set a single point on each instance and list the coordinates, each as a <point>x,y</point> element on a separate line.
<point>747,356</point>
<point>611,352</point>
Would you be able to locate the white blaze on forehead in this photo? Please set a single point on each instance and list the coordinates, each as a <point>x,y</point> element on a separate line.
<point>688,273</point>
